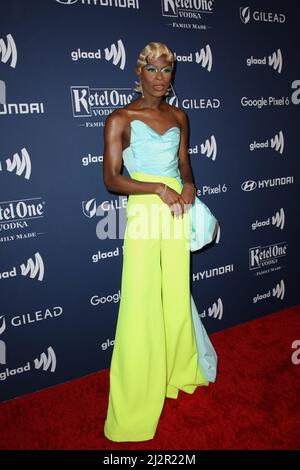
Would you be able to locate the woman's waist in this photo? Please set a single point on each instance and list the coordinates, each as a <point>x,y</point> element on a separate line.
<point>173,181</point>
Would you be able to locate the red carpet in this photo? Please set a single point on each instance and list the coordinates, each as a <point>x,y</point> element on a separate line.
<point>254,403</point>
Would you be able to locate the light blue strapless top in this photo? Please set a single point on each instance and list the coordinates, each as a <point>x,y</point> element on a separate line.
<point>151,152</point>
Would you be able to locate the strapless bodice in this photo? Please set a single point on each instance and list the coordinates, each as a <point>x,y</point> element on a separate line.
<point>151,152</point>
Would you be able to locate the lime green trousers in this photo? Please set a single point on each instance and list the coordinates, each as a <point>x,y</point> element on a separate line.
<point>155,352</point>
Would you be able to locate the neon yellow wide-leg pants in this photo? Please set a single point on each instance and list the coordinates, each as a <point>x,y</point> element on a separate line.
<point>155,353</point>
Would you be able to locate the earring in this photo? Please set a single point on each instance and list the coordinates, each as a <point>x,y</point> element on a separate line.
<point>138,88</point>
<point>169,89</point>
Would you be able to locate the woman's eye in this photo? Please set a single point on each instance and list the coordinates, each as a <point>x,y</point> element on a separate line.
<point>151,69</point>
<point>168,70</point>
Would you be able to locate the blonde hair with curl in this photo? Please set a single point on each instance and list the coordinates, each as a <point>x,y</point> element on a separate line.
<point>152,51</point>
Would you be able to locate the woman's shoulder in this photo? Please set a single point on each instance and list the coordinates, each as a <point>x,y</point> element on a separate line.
<point>122,115</point>
<point>117,118</point>
<point>178,113</point>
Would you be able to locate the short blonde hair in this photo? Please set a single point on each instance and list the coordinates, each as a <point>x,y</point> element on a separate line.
<point>152,51</point>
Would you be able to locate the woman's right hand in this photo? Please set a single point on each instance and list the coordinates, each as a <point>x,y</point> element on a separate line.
<point>173,199</point>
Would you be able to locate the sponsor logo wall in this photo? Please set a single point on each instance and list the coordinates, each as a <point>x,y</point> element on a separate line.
<point>64,66</point>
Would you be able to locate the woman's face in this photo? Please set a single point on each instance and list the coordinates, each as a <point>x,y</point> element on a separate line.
<point>156,76</point>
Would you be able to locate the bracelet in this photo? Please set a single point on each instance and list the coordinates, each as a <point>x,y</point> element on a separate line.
<point>163,191</point>
<point>190,183</point>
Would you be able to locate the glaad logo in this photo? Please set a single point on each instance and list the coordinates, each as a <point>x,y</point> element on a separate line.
<point>276,142</point>
<point>251,185</point>
<point>19,164</point>
<point>274,60</point>
<point>202,57</point>
<point>265,256</point>
<point>2,343</point>
<point>116,53</point>
<point>245,16</point>
<point>209,148</point>
<point>89,158</point>
<point>278,292</point>
<point>35,268</point>
<point>215,311</point>
<point>8,52</point>
<point>278,220</point>
<point>46,362</point>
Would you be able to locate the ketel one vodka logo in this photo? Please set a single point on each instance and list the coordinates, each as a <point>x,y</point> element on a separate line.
<point>17,213</point>
<point>186,9</point>
<point>266,256</point>
<point>88,102</point>
<point>19,164</point>
<point>8,51</point>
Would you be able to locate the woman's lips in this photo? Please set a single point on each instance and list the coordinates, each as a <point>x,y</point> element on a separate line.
<point>158,87</point>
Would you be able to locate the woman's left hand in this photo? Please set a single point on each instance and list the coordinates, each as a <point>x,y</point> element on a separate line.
<point>188,194</point>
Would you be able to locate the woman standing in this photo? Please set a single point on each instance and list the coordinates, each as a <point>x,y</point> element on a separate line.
<point>155,351</point>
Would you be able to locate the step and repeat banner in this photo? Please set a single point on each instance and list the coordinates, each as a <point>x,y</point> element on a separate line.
<point>65,65</point>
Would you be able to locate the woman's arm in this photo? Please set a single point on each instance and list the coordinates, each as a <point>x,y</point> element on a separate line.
<point>112,161</point>
<point>189,189</point>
